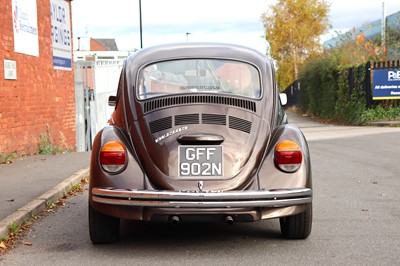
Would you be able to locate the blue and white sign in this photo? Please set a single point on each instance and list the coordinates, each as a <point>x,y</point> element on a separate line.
<point>385,84</point>
<point>25,26</point>
<point>61,34</point>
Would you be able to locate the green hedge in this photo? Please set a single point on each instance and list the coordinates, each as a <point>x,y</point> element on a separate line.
<point>319,87</point>
<point>333,92</point>
<point>351,102</point>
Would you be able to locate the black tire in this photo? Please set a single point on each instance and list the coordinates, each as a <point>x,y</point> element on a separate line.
<point>297,226</point>
<point>103,229</point>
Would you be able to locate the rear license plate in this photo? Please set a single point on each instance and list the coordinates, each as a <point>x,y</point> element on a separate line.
<point>201,161</point>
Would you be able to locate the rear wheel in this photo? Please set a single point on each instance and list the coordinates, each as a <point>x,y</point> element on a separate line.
<point>103,229</point>
<point>297,226</point>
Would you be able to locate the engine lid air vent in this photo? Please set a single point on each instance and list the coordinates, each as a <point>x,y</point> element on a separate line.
<point>213,119</point>
<point>191,119</point>
<point>160,124</point>
<point>187,119</point>
<point>239,124</point>
<point>155,104</point>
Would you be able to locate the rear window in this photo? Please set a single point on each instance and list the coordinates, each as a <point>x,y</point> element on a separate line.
<point>199,76</point>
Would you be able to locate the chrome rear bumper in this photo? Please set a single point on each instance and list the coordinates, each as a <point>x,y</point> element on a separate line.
<point>202,199</point>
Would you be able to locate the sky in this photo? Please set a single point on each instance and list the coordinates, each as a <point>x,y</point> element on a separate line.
<point>232,21</point>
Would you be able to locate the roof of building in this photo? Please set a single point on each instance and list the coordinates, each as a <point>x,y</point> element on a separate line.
<point>110,44</point>
<point>370,30</point>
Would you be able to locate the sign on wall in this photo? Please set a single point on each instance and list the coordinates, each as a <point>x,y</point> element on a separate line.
<point>24,16</point>
<point>61,34</point>
<point>10,69</point>
<point>385,84</point>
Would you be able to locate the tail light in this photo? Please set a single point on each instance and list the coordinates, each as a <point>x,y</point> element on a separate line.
<point>113,156</point>
<point>288,156</point>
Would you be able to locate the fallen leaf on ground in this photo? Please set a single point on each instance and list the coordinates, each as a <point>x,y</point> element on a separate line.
<point>28,243</point>
<point>2,245</point>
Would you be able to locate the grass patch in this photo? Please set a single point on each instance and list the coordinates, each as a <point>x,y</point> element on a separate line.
<point>8,158</point>
<point>381,113</point>
<point>13,228</point>
<point>50,205</point>
<point>45,145</point>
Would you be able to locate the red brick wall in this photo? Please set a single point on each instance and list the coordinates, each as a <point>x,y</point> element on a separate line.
<point>41,97</point>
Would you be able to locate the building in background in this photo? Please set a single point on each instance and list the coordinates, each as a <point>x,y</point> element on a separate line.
<point>90,49</point>
<point>37,100</point>
<point>373,31</point>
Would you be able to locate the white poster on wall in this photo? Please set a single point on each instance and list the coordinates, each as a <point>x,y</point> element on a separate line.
<point>61,34</point>
<point>24,16</point>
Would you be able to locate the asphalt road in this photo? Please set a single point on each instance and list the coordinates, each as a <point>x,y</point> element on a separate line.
<point>356,178</point>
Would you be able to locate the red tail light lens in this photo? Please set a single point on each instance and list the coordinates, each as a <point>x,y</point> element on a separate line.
<point>113,156</point>
<point>288,156</point>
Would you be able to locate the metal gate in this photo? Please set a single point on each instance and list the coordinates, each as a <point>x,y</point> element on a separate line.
<point>94,83</point>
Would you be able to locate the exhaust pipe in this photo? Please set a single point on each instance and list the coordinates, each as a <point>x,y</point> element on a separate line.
<point>229,219</point>
<point>174,220</point>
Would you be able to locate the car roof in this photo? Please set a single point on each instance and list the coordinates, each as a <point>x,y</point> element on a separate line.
<point>196,50</point>
<point>199,50</point>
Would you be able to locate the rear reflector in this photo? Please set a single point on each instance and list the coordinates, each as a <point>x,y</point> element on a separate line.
<point>288,156</point>
<point>113,156</point>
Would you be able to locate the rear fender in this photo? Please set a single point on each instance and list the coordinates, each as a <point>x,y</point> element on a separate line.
<point>131,177</point>
<point>270,177</point>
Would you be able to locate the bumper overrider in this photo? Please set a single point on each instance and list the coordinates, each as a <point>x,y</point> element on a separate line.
<point>202,199</point>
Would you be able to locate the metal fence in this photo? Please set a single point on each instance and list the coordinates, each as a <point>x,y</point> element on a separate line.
<point>366,84</point>
<point>94,83</point>
<point>293,94</point>
<point>354,84</point>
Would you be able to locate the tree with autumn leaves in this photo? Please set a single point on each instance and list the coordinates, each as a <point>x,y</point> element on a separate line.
<point>293,28</point>
<point>335,84</point>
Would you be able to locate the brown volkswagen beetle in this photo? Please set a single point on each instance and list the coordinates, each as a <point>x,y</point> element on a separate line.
<point>199,134</point>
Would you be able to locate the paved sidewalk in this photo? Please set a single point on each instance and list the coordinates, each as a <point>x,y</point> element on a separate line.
<point>314,130</point>
<point>27,184</point>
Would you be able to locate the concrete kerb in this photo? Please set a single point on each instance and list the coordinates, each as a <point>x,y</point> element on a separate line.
<point>385,123</point>
<point>40,203</point>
